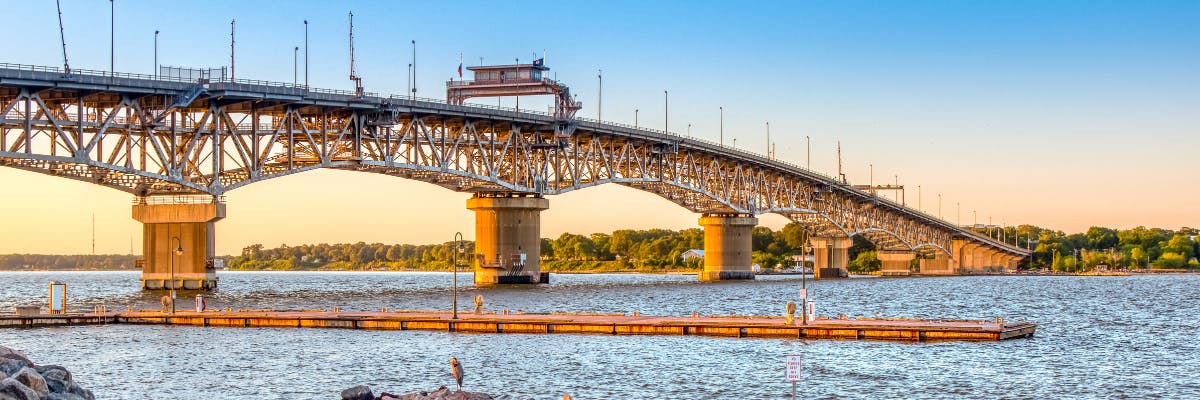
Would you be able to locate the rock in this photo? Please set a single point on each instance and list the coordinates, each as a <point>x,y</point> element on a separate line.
<point>12,389</point>
<point>58,379</point>
<point>443,393</point>
<point>359,392</point>
<point>15,355</point>
<point>33,380</point>
<point>81,392</point>
<point>10,366</point>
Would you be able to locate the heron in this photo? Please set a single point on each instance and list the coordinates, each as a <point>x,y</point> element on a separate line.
<point>456,370</point>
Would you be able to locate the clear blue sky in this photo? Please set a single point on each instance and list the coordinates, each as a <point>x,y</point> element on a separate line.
<point>1061,114</point>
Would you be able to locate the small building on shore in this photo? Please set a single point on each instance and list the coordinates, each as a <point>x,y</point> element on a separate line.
<point>693,254</point>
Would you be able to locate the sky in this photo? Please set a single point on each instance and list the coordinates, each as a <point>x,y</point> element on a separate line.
<point>1061,114</point>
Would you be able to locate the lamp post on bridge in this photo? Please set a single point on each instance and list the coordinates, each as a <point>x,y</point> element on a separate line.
<point>178,251</point>
<point>155,54</point>
<point>721,139</point>
<point>458,248</point>
<point>666,112</point>
<point>306,53</point>
<point>296,66</point>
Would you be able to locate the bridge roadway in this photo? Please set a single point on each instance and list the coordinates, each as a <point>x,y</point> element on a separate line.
<point>178,146</point>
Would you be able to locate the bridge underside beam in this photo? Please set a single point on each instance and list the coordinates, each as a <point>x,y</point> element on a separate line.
<point>177,243</point>
<point>508,244</point>
<point>727,247</point>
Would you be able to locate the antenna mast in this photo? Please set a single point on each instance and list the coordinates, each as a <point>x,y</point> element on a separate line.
<point>358,89</point>
<point>63,37</point>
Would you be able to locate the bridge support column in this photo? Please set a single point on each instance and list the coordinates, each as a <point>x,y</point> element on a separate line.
<point>727,247</point>
<point>940,264</point>
<point>895,263</point>
<point>831,257</point>
<point>169,228</point>
<point>979,260</point>
<point>508,244</point>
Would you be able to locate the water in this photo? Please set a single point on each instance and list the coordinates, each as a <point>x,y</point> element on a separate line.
<point>1098,337</point>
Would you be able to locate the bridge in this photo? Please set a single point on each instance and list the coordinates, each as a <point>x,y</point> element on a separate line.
<point>179,143</point>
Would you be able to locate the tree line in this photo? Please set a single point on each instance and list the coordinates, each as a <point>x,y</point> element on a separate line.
<point>656,250</point>
<point>16,262</point>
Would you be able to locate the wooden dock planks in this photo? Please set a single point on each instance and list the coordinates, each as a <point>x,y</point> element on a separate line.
<point>560,323</point>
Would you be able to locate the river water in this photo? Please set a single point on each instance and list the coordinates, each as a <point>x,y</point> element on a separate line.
<point>1098,337</point>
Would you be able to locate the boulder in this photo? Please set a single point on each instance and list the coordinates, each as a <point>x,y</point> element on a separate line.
<point>359,392</point>
<point>74,389</point>
<point>58,379</point>
<point>12,389</point>
<point>10,367</point>
<point>6,352</point>
<point>33,380</point>
<point>444,393</point>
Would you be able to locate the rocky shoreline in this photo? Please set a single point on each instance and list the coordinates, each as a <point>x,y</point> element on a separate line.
<point>21,379</point>
<point>442,393</point>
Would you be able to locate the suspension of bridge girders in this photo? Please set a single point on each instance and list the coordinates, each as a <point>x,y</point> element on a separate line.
<point>831,257</point>
<point>177,244</point>
<point>895,262</point>
<point>727,246</point>
<point>508,244</point>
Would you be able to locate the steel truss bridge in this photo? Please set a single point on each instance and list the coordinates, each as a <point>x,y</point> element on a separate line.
<point>150,136</point>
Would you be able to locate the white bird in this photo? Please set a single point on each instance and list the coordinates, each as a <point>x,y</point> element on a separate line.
<point>456,370</point>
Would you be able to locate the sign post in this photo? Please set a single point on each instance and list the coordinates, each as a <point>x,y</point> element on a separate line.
<point>795,364</point>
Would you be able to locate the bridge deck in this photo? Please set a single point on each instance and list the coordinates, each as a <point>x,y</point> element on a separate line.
<point>611,324</point>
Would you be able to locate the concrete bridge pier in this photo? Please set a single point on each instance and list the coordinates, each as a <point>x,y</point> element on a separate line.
<point>508,244</point>
<point>831,257</point>
<point>940,264</point>
<point>178,238</point>
<point>727,246</point>
<point>895,262</point>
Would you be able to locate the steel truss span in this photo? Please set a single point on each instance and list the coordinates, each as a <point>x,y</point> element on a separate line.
<point>152,137</point>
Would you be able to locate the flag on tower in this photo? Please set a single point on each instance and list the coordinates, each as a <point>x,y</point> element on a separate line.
<point>538,62</point>
<point>459,65</point>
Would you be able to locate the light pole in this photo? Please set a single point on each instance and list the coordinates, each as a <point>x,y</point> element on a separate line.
<point>768,140</point>
<point>635,116</point>
<point>722,137</point>
<point>808,248</point>
<point>666,112</point>
<point>808,152</point>
<point>600,96</point>
<point>306,53</point>
<point>112,38</point>
<point>296,66</point>
<point>689,129</point>
<point>939,206</point>
<point>919,199</point>
<point>178,251</point>
<point>156,54</point>
<point>414,69</point>
<point>458,248</point>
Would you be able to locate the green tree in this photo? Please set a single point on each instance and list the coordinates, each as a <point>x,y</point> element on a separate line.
<point>866,261</point>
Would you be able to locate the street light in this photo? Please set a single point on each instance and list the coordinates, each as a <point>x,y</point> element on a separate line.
<point>306,53</point>
<point>635,115</point>
<point>458,248</point>
<point>156,54</point>
<point>722,137</point>
<point>178,251</point>
<point>112,39</point>
<point>296,66</point>
<point>600,96</point>
<point>666,113</point>
<point>808,248</point>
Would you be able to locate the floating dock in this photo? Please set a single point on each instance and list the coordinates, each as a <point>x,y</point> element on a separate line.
<point>560,323</point>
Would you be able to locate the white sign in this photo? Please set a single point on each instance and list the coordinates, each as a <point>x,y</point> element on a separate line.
<point>794,366</point>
